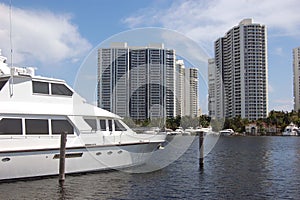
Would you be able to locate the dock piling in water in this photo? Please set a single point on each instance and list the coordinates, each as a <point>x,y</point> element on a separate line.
<point>62,156</point>
<point>201,150</point>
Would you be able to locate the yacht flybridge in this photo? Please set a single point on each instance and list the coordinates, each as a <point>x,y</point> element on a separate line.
<point>35,110</point>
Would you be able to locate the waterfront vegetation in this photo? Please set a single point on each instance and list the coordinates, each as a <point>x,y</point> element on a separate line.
<point>272,125</point>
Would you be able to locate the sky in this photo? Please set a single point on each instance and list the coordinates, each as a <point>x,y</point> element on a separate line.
<point>56,36</point>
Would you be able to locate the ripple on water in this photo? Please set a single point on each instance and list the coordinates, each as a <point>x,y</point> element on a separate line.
<point>237,168</point>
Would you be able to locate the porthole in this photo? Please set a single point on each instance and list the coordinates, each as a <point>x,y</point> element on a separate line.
<point>98,153</point>
<point>5,159</point>
<point>109,153</point>
<point>119,152</point>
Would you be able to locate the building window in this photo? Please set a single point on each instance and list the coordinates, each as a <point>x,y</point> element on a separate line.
<point>59,126</point>
<point>11,126</point>
<point>36,126</point>
<point>40,87</point>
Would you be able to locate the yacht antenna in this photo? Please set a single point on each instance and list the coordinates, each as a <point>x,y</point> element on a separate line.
<point>11,52</point>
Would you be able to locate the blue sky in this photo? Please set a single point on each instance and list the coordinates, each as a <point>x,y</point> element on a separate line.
<point>55,36</point>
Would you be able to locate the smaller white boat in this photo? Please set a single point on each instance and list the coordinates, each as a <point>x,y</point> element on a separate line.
<point>226,132</point>
<point>152,130</point>
<point>189,131</point>
<point>197,130</point>
<point>206,131</point>
<point>291,130</point>
<point>178,131</point>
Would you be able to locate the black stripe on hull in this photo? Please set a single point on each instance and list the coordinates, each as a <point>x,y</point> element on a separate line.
<point>76,147</point>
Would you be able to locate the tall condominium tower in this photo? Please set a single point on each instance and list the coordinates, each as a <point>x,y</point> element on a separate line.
<point>137,82</point>
<point>296,69</point>
<point>186,85</point>
<point>191,92</point>
<point>240,71</point>
<point>180,86</point>
<point>212,92</point>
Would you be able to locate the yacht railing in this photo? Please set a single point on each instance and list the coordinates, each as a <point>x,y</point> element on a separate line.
<point>33,136</point>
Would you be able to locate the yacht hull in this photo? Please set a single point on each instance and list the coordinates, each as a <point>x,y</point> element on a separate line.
<point>45,162</point>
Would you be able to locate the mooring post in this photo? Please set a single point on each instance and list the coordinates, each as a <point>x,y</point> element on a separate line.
<point>62,156</point>
<point>201,150</point>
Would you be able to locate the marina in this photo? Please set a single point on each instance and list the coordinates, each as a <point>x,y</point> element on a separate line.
<point>248,167</point>
<point>149,100</point>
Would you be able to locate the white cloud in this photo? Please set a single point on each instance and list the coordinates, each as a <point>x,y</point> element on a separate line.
<point>282,104</point>
<point>279,51</point>
<point>270,88</point>
<point>287,107</point>
<point>207,20</point>
<point>41,36</point>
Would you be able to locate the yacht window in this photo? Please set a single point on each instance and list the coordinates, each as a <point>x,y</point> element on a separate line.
<point>2,83</point>
<point>11,126</point>
<point>92,123</point>
<point>36,126</point>
<point>110,125</point>
<point>60,89</point>
<point>119,126</point>
<point>40,87</point>
<point>59,126</point>
<point>102,124</point>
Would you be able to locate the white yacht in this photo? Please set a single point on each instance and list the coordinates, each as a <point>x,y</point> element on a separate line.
<point>35,110</point>
<point>291,130</point>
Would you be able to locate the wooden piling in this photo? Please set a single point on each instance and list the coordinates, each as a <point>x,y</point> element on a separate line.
<point>62,156</point>
<point>201,150</point>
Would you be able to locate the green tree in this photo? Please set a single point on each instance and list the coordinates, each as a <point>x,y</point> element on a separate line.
<point>145,122</point>
<point>217,124</point>
<point>171,123</point>
<point>204,120</point>
<point>188,121</point>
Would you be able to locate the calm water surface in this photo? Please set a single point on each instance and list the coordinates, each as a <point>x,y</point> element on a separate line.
<point>236,168</point>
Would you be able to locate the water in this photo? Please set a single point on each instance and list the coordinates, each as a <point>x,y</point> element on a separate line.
<point>236,168</point>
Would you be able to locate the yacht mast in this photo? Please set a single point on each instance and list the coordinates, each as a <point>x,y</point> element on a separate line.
<point>11,81</point>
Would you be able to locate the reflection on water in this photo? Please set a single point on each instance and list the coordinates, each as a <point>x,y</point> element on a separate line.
<point>237,167</point>
<point>256,167</point>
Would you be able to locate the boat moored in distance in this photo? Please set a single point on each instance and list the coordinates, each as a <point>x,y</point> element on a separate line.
<point>35,110</point>
<point>195,131</point>
<point>226,132</point>
<point>291,130</point>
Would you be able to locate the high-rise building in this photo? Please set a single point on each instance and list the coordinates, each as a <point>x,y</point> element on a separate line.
<point>137,82</point>
<point>239,86</point>
<point>113,83</point>
<point>145,82</point>
<point>186,90</point>
<point>296,69</point>
<point>191,92</point>
<point>179,80</point>
<point>212,106</point>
